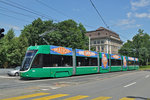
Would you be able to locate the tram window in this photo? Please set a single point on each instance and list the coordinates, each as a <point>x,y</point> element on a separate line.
<point>130,62</point>
<point>57,61</point>
<point>136,63</point>
<point>115,62</point>
<point>86,61</point>
<point>37,61</point>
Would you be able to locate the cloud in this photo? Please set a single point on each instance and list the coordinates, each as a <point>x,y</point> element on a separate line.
<point>142,15</point>
<point>125,22</point>
<point>129,14</point>
<point>139,3</point>
<point>138,15</point>
<point>138,25</point>
<point>14,27</point>
<point>132,26</point>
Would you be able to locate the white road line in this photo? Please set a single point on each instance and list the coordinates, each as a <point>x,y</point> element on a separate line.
<point>146,76</point>
<point>130,84</point>
<point>31,81</point>
<point>44,89</point>
<point>50,86</point>
<point>7,77</point>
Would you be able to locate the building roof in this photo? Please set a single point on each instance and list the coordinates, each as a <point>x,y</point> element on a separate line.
<point>103,33</point>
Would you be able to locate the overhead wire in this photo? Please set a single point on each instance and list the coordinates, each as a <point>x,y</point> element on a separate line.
<point>103,19</point>
<point>48,6</point>
<point>48,17</point>
<point>37,13</point>
<point>60,12</point>
<point>14,17</point>
<point>99,14</point>
<point>12,11</point>
<point>18,6</point>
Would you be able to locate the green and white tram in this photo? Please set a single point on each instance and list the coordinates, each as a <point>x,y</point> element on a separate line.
<point>56,61</point>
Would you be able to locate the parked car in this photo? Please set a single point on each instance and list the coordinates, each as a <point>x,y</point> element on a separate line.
<point>14,72</point>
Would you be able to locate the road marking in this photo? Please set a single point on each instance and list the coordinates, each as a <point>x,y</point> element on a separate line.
<point>130,84</point>
<point>43,80</point>
<point>146,76</point>
<point>127,98</point>
<point>77,97</point>
<point>102,98</point>
<point>7,77</point>
<point>26,96</point>
<point>50,86</point>
<point>75,77</point>
<point>51,97</point>
<point>29,81</point>
<point>44,89</point>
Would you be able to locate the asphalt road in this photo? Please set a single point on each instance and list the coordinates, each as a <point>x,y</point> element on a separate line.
<point>130,85</point>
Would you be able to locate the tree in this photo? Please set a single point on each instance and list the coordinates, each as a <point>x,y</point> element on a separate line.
<point>66,33</point>
<point>72,34</point>
<point>7,48</point>
<point>32,31</point>
<point>12,49</point>
<point>139,47</point>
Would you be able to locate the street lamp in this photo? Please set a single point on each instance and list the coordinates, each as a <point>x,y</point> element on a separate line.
<point>89,43</point>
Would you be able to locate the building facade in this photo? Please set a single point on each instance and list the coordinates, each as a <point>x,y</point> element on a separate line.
<point>104,40</point>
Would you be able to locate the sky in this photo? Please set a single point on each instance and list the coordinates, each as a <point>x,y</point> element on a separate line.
<point>125,17</point>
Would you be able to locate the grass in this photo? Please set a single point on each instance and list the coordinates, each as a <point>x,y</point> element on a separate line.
<point>144,67</point>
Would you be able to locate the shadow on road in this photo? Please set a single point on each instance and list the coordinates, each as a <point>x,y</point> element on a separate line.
<point>30,79</point>
<point>146,70</point>
<point>141,98</point>
<point>103,75</point>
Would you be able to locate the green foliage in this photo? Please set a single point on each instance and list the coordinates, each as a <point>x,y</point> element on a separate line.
<point>32,31</point>
<point>71,34</point>
<point>66,33</point>
<point>139,47</point>
<point>145,67</point>
<point>12,50</point>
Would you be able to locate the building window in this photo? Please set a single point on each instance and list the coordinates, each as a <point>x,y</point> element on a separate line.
<point>102,41</point>
<point>102,48</point>
<point>94,42</point>
<point>98,33</point>
<point>91,42</point>
<point>98,42</point>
